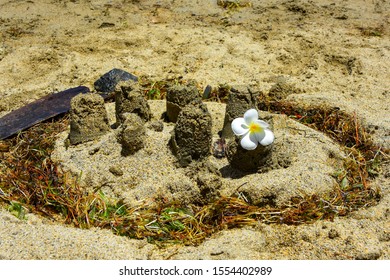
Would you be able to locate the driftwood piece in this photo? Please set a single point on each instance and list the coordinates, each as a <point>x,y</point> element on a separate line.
<point>42,109</point>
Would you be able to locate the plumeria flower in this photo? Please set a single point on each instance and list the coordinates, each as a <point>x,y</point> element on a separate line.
<point>252,130</point>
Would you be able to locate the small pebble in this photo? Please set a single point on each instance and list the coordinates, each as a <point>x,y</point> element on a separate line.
<point>219,148</point>
<point>116,170</point>
<point>332,234</point>
<point>94,151</point>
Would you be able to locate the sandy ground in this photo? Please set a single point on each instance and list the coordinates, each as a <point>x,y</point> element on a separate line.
<point>332,52</point>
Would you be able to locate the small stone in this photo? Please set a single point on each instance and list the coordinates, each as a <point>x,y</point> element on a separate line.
<point>192,136</point>
<point>130,99</point>
<point>306,238</point>
<point>178,96</point>
<point>241,99</point>
<point>132,134</point>
<point>109,80</point>
<point>116,170</point>
<point>156,126</point>
<point>216,253</point>
<point>94,151</point>
<point>332,234</point>
<point>88,118</point>
<point>219,148</point>
<point>207,92</point>
<point>247,160</point>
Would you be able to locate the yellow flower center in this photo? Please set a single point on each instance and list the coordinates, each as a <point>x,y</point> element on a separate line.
<point>255,128</point>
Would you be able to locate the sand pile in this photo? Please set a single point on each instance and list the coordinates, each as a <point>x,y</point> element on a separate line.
<point>303,162</point>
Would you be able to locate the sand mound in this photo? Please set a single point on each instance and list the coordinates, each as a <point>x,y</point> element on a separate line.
<point>302,162</point>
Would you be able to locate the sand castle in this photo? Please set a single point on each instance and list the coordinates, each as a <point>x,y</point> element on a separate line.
<point>153,149</point>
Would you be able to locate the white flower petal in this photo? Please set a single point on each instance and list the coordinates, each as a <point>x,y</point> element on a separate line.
<point>268,138</point>
<point>249,141</point>
<point>259,136</point>
<point>263,124</point>
<point>239,126</point>
<point>251,115</point>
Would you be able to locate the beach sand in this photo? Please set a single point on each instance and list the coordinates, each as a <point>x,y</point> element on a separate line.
<point>332,53</point>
